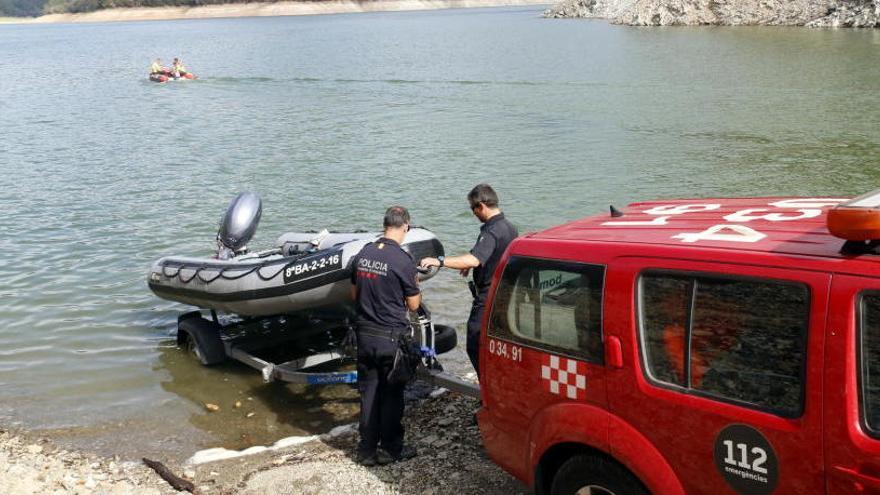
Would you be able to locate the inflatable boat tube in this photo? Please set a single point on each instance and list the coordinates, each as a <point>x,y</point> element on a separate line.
<point>306,271</point>
<point>166,76</point>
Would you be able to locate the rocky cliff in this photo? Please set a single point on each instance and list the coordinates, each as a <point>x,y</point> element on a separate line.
<point>812,13</point>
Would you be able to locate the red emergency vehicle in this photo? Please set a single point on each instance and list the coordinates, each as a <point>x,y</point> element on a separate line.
<point>710,346</point>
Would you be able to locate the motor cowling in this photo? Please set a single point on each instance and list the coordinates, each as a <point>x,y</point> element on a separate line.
<point>238,225</point>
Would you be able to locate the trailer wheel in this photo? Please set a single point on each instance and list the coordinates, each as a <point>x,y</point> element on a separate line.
<point>202,338</point>
<point>594,475</point>
<point>445,339</point>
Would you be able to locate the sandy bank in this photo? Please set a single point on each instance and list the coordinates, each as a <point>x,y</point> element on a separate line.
<point>265,10</point>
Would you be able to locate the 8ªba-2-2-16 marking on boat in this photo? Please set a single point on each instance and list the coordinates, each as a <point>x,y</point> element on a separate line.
<point>311,267</point>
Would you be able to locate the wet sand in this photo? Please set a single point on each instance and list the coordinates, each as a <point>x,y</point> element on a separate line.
<point>263,10</point>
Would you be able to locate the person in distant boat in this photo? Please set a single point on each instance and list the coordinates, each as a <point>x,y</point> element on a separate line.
<point>157,68</point>
<point>177,68</point>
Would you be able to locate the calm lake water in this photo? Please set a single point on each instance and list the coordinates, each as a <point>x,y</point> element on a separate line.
<point>331,119</point>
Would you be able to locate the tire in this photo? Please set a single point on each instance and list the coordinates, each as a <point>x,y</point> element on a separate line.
<point>202,338</point>
<point>445,339</point>
<point>594,475</point>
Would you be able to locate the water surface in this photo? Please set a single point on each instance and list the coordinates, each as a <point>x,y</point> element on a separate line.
<point>331,119</point>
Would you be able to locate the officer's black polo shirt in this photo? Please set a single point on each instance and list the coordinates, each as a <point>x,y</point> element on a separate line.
<point>384,275</point>
<point>494,237</point>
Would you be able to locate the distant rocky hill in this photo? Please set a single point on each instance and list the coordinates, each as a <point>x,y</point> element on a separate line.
<point>813,13</point>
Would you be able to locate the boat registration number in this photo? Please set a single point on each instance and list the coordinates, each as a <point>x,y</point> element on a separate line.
<point>311,266</point>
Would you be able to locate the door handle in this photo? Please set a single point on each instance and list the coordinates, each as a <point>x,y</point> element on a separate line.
<point>861,478</point>
<point>613,352</point>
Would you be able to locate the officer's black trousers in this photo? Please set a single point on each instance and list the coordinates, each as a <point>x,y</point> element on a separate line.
<point>473,333</point>
<point>381,402</point>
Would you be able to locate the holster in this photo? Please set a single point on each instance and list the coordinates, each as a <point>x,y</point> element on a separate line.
<point>406,360</point>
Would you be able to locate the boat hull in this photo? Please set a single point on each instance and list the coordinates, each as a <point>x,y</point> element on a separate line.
<point>278,285</point>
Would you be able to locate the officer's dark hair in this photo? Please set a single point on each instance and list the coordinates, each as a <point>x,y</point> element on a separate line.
<point>395,216</point>
<point>483,193</point>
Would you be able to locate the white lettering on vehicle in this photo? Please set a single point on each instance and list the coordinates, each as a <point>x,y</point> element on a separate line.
<point>682,209</point>
<point>505,350</point>
<point>735,233</point>
<point>667,211</point>
<point>756,465</point>
<point>796,209</point>
<point>747,215</point>
<point>656,221</point>
<point>808,202</point>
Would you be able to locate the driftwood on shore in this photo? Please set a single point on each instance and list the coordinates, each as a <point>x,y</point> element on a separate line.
<point>175,481</point>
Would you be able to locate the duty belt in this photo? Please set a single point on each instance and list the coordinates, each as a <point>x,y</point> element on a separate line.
<point>380,332</point>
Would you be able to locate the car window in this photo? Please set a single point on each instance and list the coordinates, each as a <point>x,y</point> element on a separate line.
<point>550,304</point>
<point>735,339</point>
<point>870,359</point>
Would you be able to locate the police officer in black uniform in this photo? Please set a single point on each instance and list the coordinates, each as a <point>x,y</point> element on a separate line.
<point>495,234</point>
<point>385,287</point>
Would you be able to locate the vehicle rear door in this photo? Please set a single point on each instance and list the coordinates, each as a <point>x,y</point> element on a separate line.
<point>724,376</point>
<point>852,387</point>
<point>543,346</point>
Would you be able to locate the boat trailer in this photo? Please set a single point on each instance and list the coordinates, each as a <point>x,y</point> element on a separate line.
<point>320,346</point>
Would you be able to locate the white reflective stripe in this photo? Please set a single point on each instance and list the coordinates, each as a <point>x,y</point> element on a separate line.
<point>545,372</point>
<point>572,366</point>
<point>563,377</point>
<point>554,387</point>
<point>572,392</point>
<point>554,362</point>
<point>581,382</point>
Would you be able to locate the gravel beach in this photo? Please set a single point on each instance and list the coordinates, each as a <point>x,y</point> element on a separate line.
<point>451,460</point>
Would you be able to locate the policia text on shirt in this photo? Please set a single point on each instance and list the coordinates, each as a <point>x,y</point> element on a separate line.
<point>385,286</point>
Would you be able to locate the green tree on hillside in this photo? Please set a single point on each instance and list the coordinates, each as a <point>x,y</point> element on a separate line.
<point>21,8</point>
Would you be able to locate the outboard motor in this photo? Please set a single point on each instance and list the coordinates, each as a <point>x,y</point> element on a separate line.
<point>238,225</point>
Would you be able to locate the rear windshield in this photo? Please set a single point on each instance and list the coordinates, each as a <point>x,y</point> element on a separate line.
<point>737,340</point>
<point>870,357</point>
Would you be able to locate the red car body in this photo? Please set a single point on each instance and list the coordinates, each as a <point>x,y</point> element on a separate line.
<point>709,346</point>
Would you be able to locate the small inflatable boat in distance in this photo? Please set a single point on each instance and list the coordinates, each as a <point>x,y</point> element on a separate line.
<point>163,77</point>
<point>305,271</point>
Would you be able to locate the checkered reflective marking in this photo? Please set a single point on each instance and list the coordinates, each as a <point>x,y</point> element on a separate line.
<point>565,377</point>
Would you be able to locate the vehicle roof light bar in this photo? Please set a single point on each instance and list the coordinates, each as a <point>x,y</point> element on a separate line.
<point>858,222</point>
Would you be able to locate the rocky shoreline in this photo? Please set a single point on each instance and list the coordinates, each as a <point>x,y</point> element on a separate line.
<point>37,466</point>
<point>810,13</point>
<point>451,461</point>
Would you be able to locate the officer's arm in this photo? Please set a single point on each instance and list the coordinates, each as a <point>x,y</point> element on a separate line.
<point>462,262</point>
<point>413,302</point>
<point>354,292</point>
